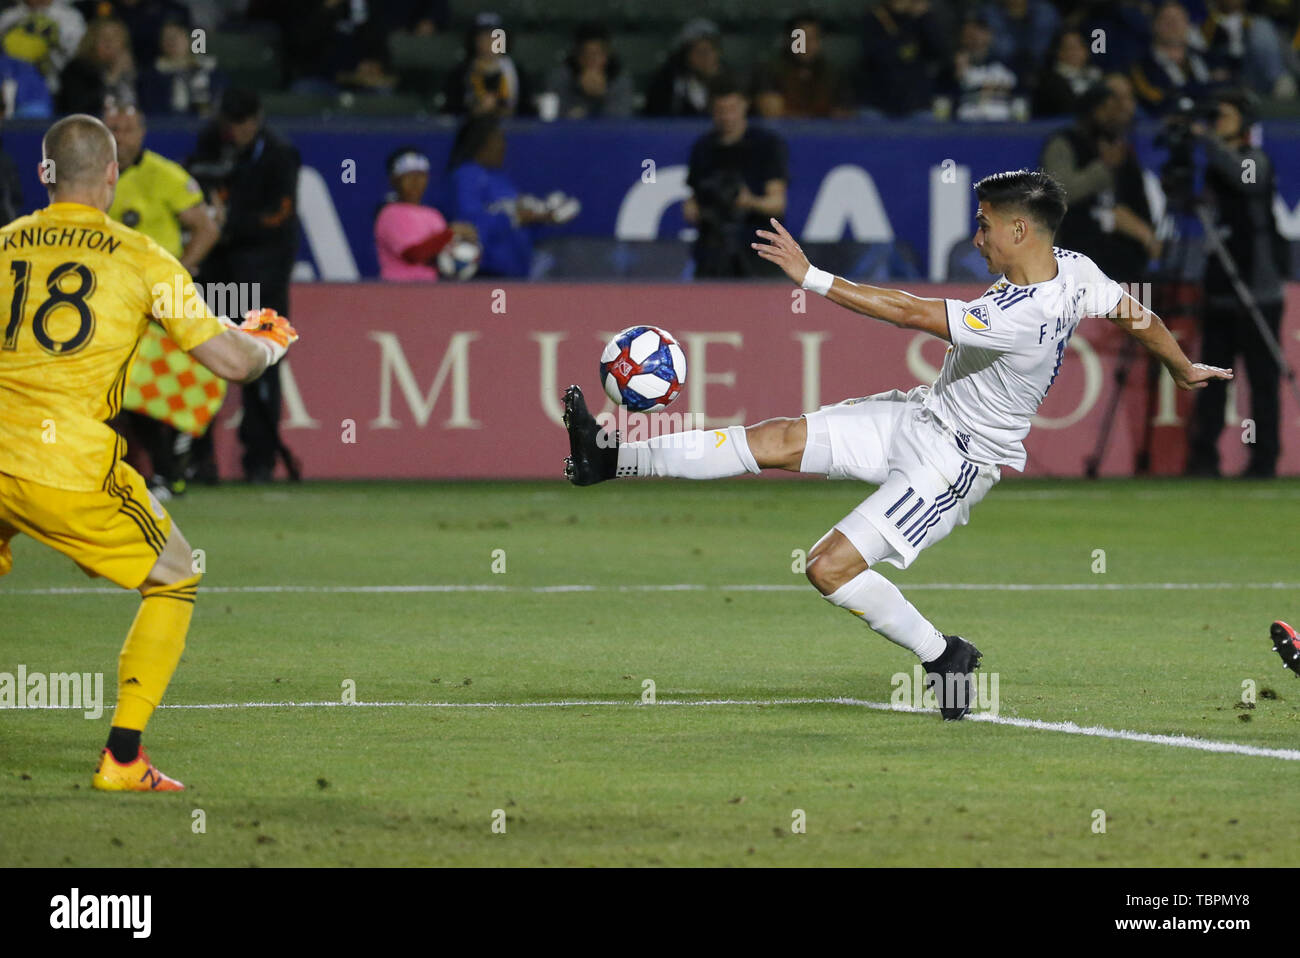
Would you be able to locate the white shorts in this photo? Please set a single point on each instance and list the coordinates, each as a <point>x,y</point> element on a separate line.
<point>927,486</point>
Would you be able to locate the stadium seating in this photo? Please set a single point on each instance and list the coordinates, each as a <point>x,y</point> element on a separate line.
<point>249,55</point>
<point>421,63</point>
<point>536,52</point>
<point>642,53</point>
<point>345,104</point>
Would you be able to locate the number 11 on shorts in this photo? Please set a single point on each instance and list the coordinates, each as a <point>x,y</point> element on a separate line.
<point>889,513</point>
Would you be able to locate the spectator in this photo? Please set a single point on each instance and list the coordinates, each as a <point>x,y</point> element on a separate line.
<point>1069,75</point>
<point>486,198</point>
<point>143,18</point>
<point>103,69</point>
<point>409,235</point>
<point>160,199</point>
<point>1171,68</point>
<point>369,73</point>
<point>591,81</point>
<point>44,33</point>
<point>253,173</point>
<point>1022,32</point>
<point>738,176</point>
<point>980,84</point>
<point>25,95</point>
<point>904,50</point>
<point>1246,50</point>
<point>1108,218</point>
<point>487,81</point>
<point>802,82</point>
<point>680,87</point>
<point>179,80</point>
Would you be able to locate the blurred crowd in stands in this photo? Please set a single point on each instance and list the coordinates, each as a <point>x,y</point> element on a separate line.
<point>966,60</point>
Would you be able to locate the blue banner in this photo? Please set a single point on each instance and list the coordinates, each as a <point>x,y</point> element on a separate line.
<point>868,182</point>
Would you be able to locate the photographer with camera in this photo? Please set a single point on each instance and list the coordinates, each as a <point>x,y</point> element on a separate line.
<point>1108,219</point>
<point>738,175</point>
<point>1239,187</point>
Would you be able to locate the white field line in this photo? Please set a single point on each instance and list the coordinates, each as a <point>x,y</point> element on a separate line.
<point>1067,728</point>
<point>681,587</point>
<point>1289,491</point>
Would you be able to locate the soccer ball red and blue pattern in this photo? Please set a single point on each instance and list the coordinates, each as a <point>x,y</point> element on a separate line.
<point>643,368</point>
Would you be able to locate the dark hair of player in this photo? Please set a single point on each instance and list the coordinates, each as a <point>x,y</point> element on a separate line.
<point>1032,191</point>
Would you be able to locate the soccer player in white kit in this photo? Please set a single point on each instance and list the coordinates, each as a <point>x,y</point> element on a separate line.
<point>934,451</point>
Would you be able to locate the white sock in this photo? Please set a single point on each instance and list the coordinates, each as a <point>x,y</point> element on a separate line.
<point>878,602</point>
<point>697,454</point>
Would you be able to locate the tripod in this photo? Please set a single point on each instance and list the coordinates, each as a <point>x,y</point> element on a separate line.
<point>1176,297</point>
<point>1142,458</point>
<point>1168,274</point>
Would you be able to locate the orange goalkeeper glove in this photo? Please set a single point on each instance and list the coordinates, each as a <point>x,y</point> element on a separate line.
<point>270,328</point>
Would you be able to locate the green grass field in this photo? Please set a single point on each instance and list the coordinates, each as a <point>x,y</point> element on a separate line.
<point>671,784</point>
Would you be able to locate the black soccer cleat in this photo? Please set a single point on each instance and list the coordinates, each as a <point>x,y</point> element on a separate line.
<point>1286,644</point>
<point>593,452</point>
<point>951,676</point>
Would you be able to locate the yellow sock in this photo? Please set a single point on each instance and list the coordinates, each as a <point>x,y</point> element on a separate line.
<point>152,651</point>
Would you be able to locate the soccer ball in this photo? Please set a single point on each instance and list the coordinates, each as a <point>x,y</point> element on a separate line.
<point>643,368</point>
<point>459,259</point>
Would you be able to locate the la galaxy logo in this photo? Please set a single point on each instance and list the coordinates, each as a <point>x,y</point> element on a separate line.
<point>977,318</point>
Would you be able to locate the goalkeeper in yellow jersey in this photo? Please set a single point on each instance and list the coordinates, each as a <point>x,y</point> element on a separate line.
<point>77,290</point>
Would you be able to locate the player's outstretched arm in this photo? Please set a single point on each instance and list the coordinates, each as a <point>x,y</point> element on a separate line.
<point>889,305</point>
<point>1147,328</point>
<point>243,352</point>
<point>233,356</point>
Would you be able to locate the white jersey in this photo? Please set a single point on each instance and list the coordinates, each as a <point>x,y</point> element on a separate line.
<point>1008,347</point>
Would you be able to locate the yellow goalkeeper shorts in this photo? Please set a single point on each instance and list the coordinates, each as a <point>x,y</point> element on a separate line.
<point>116,532</point>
